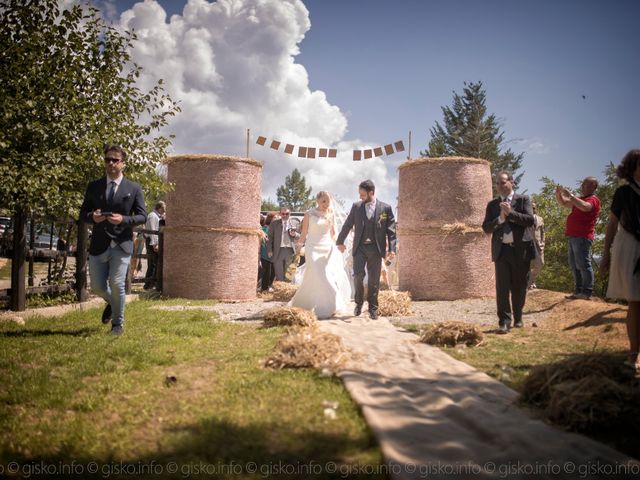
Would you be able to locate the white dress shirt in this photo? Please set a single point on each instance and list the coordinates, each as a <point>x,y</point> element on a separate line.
<point>506,237</point>
<point>370,209</point>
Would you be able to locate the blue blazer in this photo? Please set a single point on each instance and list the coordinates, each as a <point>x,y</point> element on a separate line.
<point>128,201</point>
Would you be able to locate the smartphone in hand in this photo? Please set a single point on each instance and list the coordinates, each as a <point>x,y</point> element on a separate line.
<point>106,214</point>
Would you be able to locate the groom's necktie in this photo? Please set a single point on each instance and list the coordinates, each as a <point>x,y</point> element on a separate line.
<point>112,192</point>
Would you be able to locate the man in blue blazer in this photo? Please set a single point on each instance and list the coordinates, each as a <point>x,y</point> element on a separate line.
<point>375,231</point>
<point>509,218</point>
<point>113,205</point>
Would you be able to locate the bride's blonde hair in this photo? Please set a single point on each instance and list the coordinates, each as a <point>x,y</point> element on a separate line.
<point>324,193</point>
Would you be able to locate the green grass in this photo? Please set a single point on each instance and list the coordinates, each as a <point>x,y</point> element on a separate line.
<point>70,392</point>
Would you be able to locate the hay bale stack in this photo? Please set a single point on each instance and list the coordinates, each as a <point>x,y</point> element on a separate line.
<point>444,254</point>
<point>592,392</point>
<point>451,333</point>
<point>308,347</point>
<point>212,236</point>
<point>394,304</point>
<point>289,317</point>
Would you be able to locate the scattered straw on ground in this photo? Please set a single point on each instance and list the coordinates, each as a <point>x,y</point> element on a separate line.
<point>289,317</point>
<point>394,304</point>
<point>308,347</point>
<point>589,392</point>
<point>283,291</point>
<point>451,333</point>
<point>461,228</point>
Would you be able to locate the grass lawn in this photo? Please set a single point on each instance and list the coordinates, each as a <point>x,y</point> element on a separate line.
<point>69,392</point>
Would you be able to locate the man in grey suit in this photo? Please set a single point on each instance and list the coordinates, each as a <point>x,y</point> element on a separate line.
<point>113,205</point>
<point>280,244</point>
<point>509,218</point>
<point>375,229</point>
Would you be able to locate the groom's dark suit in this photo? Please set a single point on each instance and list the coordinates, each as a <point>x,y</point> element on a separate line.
<point>371,237</point>
<point>512,260</point>
<point>128,201</point>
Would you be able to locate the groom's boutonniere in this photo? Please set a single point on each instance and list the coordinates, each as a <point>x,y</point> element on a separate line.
<point>382,218</point>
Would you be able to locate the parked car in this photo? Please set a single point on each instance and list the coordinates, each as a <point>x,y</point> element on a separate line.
<point>4,224</point>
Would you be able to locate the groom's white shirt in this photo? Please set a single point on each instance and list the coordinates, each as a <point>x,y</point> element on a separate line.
<point>370,209</point>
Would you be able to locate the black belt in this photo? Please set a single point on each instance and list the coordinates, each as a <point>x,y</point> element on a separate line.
<point>508,244</point>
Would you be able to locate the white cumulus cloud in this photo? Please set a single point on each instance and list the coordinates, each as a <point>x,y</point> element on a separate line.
<point>231,65</point>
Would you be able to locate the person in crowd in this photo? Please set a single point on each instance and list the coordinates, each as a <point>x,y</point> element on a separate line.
<point>280,244</point>
<point>151,240</point>
<point>509,219</point>
<point>621,256</point>
<point>113,205</point>
<point>580,229</point>
<point>538,262</point>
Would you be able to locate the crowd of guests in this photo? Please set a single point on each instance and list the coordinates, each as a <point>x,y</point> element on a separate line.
<point>517,246</point>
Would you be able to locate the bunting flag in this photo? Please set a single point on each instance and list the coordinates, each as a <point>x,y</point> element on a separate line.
<point>312,152</point>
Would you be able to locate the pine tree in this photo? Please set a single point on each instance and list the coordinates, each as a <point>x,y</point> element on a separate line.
<point>294,194</point>
<point>469,132</point>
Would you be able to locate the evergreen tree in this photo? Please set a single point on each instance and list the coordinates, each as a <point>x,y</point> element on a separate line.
<point>469,132</point>
<point>268,205</point>
<point>294,194</point>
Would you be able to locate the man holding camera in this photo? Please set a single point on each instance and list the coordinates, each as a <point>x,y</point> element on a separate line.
<point>280,245</point>
<point>113,205</point>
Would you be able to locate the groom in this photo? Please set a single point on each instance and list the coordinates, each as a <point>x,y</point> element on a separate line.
<point>375,227</point>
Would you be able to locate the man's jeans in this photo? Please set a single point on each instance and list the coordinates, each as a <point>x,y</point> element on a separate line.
<point>108,273</point>
<point>580,263</point>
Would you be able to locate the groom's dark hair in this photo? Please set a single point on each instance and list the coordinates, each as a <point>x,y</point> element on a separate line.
<point>367,186</point>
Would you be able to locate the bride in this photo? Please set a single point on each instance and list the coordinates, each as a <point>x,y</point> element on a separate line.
<point>325,287</point>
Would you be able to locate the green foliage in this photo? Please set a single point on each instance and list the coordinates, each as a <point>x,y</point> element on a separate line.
<point>68,87</point>
<point>469,132</point>
<point>268,205</point>
<point>294,194</point>
<point>50,299</point>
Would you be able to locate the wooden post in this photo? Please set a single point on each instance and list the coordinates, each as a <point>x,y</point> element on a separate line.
<point>81,262</point>
<point>32,239</point>
<point>248,135</point>
<point>409,150</point>
<point>159,262</point>
<point>18,301</point>
<point>50,248</point>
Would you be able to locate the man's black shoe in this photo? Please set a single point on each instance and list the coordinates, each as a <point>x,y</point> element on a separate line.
<point>106,314</point>
<point>503,329</point>
<point>373,314</point>
<point>518,325</point>
<point>116,330</point>
<point>358,310</point>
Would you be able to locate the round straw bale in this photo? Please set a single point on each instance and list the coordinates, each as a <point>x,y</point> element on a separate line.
<point>451,333</point>
<point>289,316</point>
<point>444,254</point>
<point>394,304</point>
<point>308,347</point>
<point>211,240</point>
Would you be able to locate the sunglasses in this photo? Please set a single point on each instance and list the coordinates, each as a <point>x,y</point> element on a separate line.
<point>112,160</point>
<point>284,214</point>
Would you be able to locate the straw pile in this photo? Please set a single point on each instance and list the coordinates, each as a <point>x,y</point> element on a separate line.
<point>588,393</point>
<point>394,304</point>
<point>441,206</point>
<point>212,236</point>
<point>308,347</point>
<point>283,291</point>
<point>451,333</point>
<point>289,317</point>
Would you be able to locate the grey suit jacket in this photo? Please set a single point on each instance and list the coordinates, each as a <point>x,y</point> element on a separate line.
<point>275,238</point>
<point>385,226</point>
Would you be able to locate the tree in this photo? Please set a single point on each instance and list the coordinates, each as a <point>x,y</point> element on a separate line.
<point>294,194</point>
<point>469,132</point>
<point>68,87</point>
<point>268,205</point>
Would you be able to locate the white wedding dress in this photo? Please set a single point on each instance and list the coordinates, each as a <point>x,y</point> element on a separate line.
<point>325,288</point>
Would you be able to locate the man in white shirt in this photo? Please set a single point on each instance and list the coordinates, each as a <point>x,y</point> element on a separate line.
<point>151,240</point>
<point>280,244</point>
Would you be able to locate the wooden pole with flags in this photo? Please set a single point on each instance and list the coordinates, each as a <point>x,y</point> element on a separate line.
<point>248,135</point>
<point>409,150</point>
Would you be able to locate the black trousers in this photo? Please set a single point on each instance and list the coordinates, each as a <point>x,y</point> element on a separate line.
<point>512,278</point>
<point>152,263</point>
<point>268,274</point>
<point>367,256</point>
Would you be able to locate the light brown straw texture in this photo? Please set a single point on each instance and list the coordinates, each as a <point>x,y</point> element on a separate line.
<point>211,239</point>
<point>444,254</point>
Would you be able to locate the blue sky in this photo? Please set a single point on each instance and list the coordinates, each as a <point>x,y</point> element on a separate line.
<point>389,66</point>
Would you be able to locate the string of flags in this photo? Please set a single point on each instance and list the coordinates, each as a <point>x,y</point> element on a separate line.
<point>311,152</point>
